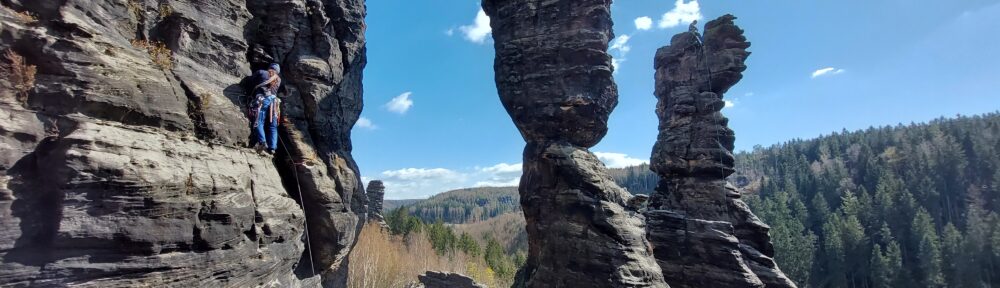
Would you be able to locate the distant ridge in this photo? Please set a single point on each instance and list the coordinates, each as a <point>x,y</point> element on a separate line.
<point>467,205</point>
<point>389,205</point>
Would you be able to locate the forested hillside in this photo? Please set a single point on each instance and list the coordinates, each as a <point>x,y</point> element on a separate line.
<point>902,206</point>
<point>466,205</point>
<point>500,263</point>
<point>473,205</point>
<point>637,179</point>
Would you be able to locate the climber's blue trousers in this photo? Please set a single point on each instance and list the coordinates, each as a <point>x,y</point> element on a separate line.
<point>263,115</point>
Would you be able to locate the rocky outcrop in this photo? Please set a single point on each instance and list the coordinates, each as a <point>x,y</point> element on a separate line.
<point>554,77</point>
<point>376,194</point>
<point>702,233</point>
<point>435,279</point>
<point>126,165</point>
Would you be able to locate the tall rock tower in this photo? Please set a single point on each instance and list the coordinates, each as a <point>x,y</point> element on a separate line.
<point>376,195</point>
<point>703,234</point>
<point>554,77</point>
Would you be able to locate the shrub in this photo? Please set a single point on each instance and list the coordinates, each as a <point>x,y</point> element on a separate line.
<point>158,52</point>
<point>20,74</point>
<point>384,260</point>
<point>165,11</point>
<point>135,7</point>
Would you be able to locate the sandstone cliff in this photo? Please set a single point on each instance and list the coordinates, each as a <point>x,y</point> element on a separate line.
<point>703,234</point>
<point>124,164</point>
<point>554,77</point>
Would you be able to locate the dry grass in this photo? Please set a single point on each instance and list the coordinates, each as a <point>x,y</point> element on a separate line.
<point>382,260</point>
<point>205,99</point>
<point>135,7</point>
<point>508,229</point>
<point>165,11</point>
<point>20,75</point>
<point>158,52</point>
<point>26,16</point>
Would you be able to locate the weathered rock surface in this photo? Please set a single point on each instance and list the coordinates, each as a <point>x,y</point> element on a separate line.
<point>435,279</point>
<point>702,233</point>
<point>376,194</point>
<point>554,77</point>
<point>117,171</point>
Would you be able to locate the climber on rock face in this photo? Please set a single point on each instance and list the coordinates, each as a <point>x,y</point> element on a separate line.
<point>266,109</point>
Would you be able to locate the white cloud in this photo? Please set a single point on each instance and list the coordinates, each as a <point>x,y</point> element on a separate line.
<point>616,62</point>
<point>503,183</point>
<point>827,71</point>
<point>400,104</point>
<point>748,94</point>
<point>500,175</point>
<point>619,47</point>
<point>682,14</point>
<point>621,44</point>
<point>410,183</point>
<point>502,168</point>
<point>729,104</point>
<point>365,123</point>
<point>421,174</point>
<point>643,23</point>
<point>618,160</point>
<point>479,30</point>
<point>449,32</point>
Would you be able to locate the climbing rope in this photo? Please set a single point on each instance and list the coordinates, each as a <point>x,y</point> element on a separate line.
<point>298,185</point>
<point>718,136</point>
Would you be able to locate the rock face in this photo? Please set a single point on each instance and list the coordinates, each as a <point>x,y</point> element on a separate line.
<point>554,77</point>
<point>702,233</point>
<point>125,164</point>
<point>376,194</point>
<point>434,279</point>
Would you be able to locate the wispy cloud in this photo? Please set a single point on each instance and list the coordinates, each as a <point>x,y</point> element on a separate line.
<point>424,182</point>
<point>400,104</point>
<point>621,43</point>
<point>643,23</point>
<point>616,62</point>
<point>619,49</point>
<point>366,123</point>
<point>682,14</point>
<point>827,71</point>
<point>479,29</point>
<point>409,183</point>
<point>420,182</point>
<point>500,175</point>
<point>618,160</point>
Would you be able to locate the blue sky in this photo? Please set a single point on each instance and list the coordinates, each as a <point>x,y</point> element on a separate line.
<point>433,120</point>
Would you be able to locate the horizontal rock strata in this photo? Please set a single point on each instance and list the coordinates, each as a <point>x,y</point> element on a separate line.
<point>703,234</point>
<point>554,77</point>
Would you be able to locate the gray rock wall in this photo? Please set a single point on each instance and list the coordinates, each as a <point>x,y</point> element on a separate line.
<point>435,279</point>
<point>376,194</point>
<point>703,234</point>
<point>554,77</point>
<point>117,171</point>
